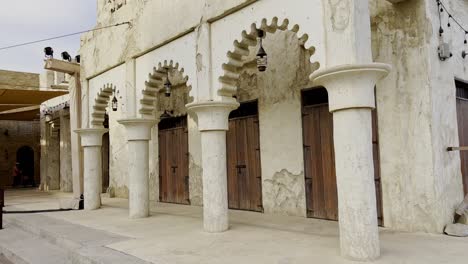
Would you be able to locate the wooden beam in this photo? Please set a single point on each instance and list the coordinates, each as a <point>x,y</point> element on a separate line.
<point>62,66</point>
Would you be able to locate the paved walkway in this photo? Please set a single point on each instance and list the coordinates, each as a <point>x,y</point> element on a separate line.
<point>173,234</point>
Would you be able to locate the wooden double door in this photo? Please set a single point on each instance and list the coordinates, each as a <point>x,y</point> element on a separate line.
<point>173,161</point>
<point>462,118</point>
<point>319,157</point>
<point>243,159</point>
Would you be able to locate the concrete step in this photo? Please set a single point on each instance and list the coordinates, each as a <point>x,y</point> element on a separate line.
<point>21,247</point>
<point>82,244</point>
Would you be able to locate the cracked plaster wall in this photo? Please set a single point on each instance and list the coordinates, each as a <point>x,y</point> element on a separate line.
<point>96,56</point>
<point>279,106</point>
<point>421,182</point>
<point>415,103</point>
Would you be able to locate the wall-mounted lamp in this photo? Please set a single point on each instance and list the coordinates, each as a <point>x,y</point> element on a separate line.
<point>78,58</point>
<point>167,84</point>
<point>464,54</point>
<point>49,52</point>
<point>115,103</point>
<point>48,115</point>
<point>262,56</point>
<point>444,51</point>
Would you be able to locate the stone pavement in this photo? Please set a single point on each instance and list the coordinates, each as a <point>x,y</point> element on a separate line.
<point>173,234</point>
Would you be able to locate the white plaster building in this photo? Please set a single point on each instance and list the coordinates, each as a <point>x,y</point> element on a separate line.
<point>282,151</point>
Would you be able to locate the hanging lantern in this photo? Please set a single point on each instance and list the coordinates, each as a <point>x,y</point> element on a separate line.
<point>114,104</point>
<point>262,57</point>
<point>167,85</point>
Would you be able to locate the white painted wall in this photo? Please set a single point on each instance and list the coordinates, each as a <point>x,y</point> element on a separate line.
<point>117,135</point>
<point>416,103</point>
<point>225,31</point>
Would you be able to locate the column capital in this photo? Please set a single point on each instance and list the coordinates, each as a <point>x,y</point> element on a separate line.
<point>138,128</point>
<point>351,86</point>
<point>91,136</point>
<point>213,115</point>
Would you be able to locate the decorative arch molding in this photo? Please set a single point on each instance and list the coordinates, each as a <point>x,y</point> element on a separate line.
<point>233,67</point>
<point>153,100</point>
<point>101,102</point>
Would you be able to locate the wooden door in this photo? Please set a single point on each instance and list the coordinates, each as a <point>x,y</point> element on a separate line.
<point>173,161</point>
<point>319,157</point>
<point>243,159</point>
<point>105,152</point>
<point>462,118</point>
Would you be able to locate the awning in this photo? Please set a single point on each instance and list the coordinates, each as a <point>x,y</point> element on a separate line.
<point>23,104</point>
<point>22,114</point>
<point>30,97</point>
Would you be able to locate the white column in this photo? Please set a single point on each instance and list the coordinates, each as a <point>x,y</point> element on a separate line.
<point>138,136</point>
<point>351,100</point>
<point>213,124</point>
<point>75,123</point>
<point>91,140</point>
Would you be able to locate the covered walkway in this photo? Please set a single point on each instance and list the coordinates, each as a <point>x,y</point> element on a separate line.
<point>173,235</point>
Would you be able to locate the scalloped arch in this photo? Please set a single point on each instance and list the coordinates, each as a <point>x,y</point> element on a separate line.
<point>234,65</point>
<point>100,104</point>
<point>154,86</point>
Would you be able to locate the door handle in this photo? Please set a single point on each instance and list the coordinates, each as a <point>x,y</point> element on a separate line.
<point>239,168</point>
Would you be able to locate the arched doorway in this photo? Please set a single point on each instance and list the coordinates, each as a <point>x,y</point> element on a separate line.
<point>173,140</point>
<point>264,147</point>
<point>25,164</point>
<point>100,119</point>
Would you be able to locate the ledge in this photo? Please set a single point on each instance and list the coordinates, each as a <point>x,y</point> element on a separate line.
<point>62,66</point>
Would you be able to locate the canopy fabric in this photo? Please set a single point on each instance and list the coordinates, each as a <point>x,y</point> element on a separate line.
<point>6,107</point>
<point>26,102</point>
<point>25,115</point>
<point>30,97</point>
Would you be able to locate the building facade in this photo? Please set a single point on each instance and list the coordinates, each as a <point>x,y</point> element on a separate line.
<point>352,117</point>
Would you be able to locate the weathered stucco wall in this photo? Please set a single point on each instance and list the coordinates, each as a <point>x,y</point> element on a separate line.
<point>280,120</point>
<point>145,33</point>
<point>448,186</point>
<point>117,135</point>
<point>421,182</point>
<point>225,31</point>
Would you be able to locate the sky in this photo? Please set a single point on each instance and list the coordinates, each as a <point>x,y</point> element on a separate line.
<point>29,20</point>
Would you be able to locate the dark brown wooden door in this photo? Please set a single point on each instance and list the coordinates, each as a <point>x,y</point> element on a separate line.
<point>173,161</point>
<point>319,157</point>
<point>462,118</point>
<point>243,159</point>
<point>105,151</point>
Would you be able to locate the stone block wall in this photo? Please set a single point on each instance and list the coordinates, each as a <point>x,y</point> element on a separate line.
<point>13,136</point>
